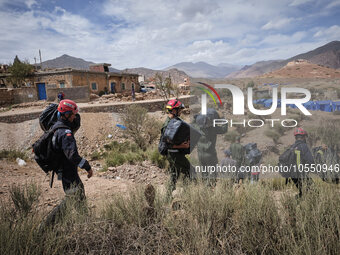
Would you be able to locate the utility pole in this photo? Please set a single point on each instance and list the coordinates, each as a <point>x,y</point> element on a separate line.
<point>40,59</point>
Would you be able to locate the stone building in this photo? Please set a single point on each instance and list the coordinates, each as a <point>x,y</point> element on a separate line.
<point>98,79</point>
<point>79,84</point>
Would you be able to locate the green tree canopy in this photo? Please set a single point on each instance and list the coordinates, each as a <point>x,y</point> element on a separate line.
<point>20,71</point>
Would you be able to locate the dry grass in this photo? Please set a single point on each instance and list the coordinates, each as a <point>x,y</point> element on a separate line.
<point>221,220</point>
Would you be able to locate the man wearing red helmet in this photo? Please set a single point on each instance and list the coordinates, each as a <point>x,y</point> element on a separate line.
<point>64,142</point>
<point>176,153</point>
<point>303,157</point>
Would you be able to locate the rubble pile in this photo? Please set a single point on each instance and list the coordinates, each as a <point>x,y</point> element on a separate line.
<point>119,97</point>
<point>42,103</point>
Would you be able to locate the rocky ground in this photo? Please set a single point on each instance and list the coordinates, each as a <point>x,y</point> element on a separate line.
<point>97,129</point>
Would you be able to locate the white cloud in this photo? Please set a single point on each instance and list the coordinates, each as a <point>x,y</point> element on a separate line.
<point>329,34</point>
<point>30,3</point>
<point>277,24</point>
<point>280,39</point>
<point>299,2</point>
<point>333,4</point>
<point>158,33</point>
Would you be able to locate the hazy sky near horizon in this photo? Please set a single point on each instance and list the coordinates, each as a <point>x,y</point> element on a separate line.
<point>159,33</point>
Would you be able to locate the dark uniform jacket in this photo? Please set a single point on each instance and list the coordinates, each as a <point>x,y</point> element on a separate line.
<point>306,156</point>
<point>65,143</point>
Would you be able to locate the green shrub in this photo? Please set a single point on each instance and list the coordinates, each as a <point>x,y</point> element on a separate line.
<point>251,84</point>
<point>142,128</point>
<point>134,157</point>
<point>157,159</point>
<point>115,159</point>
<point>12,155</point>
<point>230,136</point>
<point>24,197</point>
<point>120,153</point>
<point>95,155</point>
<point>273,135</point>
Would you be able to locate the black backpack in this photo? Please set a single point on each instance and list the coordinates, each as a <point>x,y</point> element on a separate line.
<point>162,146</point>
<point>50,116</point>
<point>44,153</point>
<point>288,158</point>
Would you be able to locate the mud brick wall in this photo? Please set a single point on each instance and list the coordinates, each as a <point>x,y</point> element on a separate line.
<point>53,81</point>
<point>25,95</point>
<point>17,118</point>
<point>87,78</point>
<point>151,106</point>
<point>6,97</point>
<point>78,94</point>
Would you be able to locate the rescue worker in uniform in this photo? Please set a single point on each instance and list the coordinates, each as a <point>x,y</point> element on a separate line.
<point>206,147</point>
<point>238,154</point>
<point>230,164</point>
<point>179,164</point>
<point>320,159</point>
<point>303,157</point>
<point>64,142</point>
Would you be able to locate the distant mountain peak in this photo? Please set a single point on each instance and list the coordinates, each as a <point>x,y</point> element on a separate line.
<point>327,55</point>
<point>69,61</point>
<point>202,69</point>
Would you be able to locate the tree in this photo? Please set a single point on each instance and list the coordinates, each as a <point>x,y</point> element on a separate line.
<point>20,71</point>
<point>142,128</point>
<point>166,87</point>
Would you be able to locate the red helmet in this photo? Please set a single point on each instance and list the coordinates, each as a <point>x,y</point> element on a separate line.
<point>67,105</point>
<point>174,104</point>
<point>300,131</point>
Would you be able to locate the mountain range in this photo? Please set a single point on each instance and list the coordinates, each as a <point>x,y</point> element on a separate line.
<point>65,61</point>
<point>205,70</point>
<point>176,75</point>
<point>327,55</point>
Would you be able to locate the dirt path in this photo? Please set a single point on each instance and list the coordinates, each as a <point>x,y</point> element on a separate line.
<point>98,188</point>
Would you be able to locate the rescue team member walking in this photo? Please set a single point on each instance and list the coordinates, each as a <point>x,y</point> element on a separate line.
<point>238,154</point>
<point>303,157</point>
<point>64,143</point>
<point>176,153</point>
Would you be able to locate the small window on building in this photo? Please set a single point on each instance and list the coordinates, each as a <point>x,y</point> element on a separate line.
<point>62,85</point>
<point>94,86</point>
<point>123,86</point>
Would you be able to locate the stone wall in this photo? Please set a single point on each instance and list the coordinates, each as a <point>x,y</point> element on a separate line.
<point>18,95</point>
<point>78,94</point>
<point>6,96</point>
<point>55,80</point>
<point>151,106</point>
<point>25,95</point>
<point>87,78</point>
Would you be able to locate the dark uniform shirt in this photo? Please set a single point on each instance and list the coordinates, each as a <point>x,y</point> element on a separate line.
<point>65,143</point>
<point>306,156</point>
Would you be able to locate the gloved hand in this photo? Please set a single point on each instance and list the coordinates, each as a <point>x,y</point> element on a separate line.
<point>89,173</point>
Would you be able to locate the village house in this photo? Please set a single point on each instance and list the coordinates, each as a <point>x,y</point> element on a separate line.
<point>98,79</point>
<point>79,84</point>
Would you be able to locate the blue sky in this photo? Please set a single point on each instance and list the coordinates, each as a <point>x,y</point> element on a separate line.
<point>159,33</point>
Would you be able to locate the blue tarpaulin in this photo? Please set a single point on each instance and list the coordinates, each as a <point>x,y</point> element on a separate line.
<point>324,105</point>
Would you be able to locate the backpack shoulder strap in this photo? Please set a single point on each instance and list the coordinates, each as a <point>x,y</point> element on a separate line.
<point>59,126</point>
<point>52,130</point>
